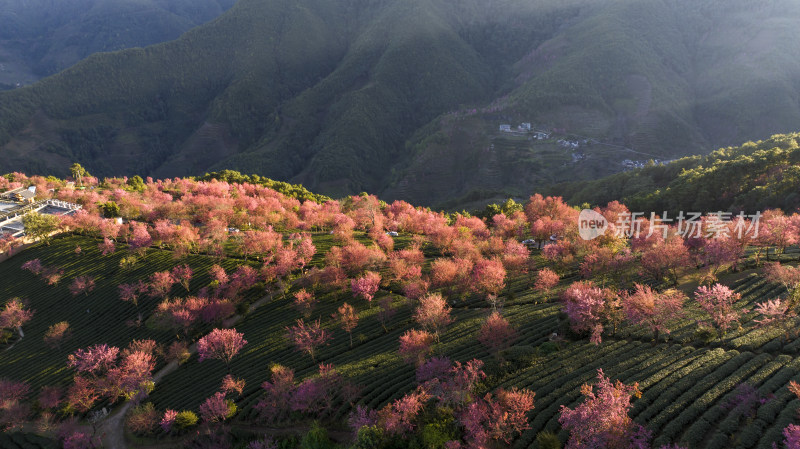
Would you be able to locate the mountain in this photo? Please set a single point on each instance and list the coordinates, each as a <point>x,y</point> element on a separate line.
<point>41,37</point>
<point>405,98</point>
<point>752,177</point>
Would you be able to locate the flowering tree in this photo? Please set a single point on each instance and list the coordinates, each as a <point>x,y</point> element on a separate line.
<point>56,333</point>
<point>774,312</point>
<point>217,408</point>
<point>586,307</point>
<point>385,311</point>
<point>52,275</point>
<point>182,275</point>
<point>496,334</point>
<point>131,292</point>
<point>498,417</point>
<point>415,345</point>
<point>788,276</point>
<point>161,283</point>
<point>221,344</point>
<point>718,301</point>
<point>348,318</point>
<point>34,266</point>
<point>366,286</point>
<point>14,316</point>
<point>140,238</point>
<point>650,308</point>
<point>488,277</point>
<point>232,385</point>
<point>12,391</point>
<point>278,393</point>
<point>82,284</point>
<point>107,246</point>
<point>168,420</point>
<point>307,337</point>
<point>95,360</point>
<point>602,419</point>
<point>433,313</point>
<point>665,259</point>
<point>398,417</point>
<point>304,302</point>
<point>546,279</point>
<point>132,377</point>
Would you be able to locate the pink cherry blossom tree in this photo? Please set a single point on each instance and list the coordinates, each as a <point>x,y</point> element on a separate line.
<point>602,419</point>
<point>366,286</point>
<point>221,344</point>
<point>773,313</point>
<point>665,259</point>
<point>131,293</point>
<point>14,315</point>
<point>82,284</point>
<point>278,392</point>
<point>718,302</point>
<point>182,275</point>
<point>161,284</point>
<point>216,408</point>
<point>107,246</point>
<point>57,333</point>
<point>496,334</point>
<point>308,337</point>
<point>546,279</point>
<point>650,308</point>
<point>488,277</point>
<point>787,275</point>
<point>586,306</point>
<point>415,345</point>
<point>304,302</point>
<point>231,385</point>
<point>433,314</point>
<point>348,319</point>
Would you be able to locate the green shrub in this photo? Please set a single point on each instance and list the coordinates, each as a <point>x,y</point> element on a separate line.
<point>185,419</point>
<point>705,335</point>
<point>316,438</point>
<point>369,437</point>
<point>548,440</point>
<point>548,347</point>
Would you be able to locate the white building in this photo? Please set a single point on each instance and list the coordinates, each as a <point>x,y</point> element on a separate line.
<point>505,128</point>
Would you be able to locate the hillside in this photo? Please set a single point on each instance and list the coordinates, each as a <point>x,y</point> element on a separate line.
<point>454,325</point>
<point>41,37</point>
<point>751,177</point>
<point>405,98</point>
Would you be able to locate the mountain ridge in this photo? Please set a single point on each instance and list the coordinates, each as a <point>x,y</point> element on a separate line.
<point>371,95</point>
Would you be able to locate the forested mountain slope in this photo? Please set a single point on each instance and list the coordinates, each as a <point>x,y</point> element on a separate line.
<point>405,98</point>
